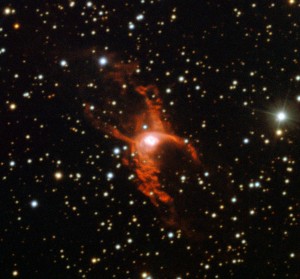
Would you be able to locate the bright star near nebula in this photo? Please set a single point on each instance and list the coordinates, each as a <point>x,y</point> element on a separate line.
<point>103,61</point>
<point>281,116</point>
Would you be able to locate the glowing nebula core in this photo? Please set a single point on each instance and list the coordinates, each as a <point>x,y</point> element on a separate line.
<point>148,141</point>
<point>151,140</point>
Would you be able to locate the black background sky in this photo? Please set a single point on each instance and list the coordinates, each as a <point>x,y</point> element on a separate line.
<point>225,71</point>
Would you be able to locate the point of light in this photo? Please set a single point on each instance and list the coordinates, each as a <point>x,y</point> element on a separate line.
<point>151,140</point>
<point>95,260</point>
<point>12,106</point>
<point>63,63</point>
<point>170,235</point>
<point>58,175</point>
<point>139,17</point>
<point>245,140</point>
<point>7,11</point>
<point>117,151</point>
<point>181,78</point>
<point>131,26</point>
<point>109,175</point>
<point>17,26</point>
<point>257,184</point>
<point>103,61</point>
<point>26,95</point>
<point>279,132</point>
<point>292,255</point>
<point>34,203</point>
<point>146,275</point>
<point>89,4</point>
<point>281,116</point>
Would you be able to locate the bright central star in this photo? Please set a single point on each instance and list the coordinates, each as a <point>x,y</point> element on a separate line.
<point>151,140</point>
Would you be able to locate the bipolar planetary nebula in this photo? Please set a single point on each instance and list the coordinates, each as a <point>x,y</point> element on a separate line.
<point>157,156</point>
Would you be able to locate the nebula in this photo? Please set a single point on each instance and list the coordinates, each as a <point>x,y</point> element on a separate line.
<point>133,114</point>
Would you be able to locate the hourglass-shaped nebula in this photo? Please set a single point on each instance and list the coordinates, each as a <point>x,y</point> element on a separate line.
<point>152,150</point>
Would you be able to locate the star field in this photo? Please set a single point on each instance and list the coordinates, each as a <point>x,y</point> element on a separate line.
<point>223,76</point>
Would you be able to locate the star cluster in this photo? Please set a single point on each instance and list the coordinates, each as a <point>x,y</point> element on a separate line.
<point>229,81</point>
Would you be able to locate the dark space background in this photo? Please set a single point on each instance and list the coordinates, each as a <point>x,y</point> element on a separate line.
<point>229,78</point>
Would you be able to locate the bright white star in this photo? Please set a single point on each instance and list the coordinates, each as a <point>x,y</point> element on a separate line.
<point>103,61</point>
<point>34,203</point>
<point>281,116</point>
